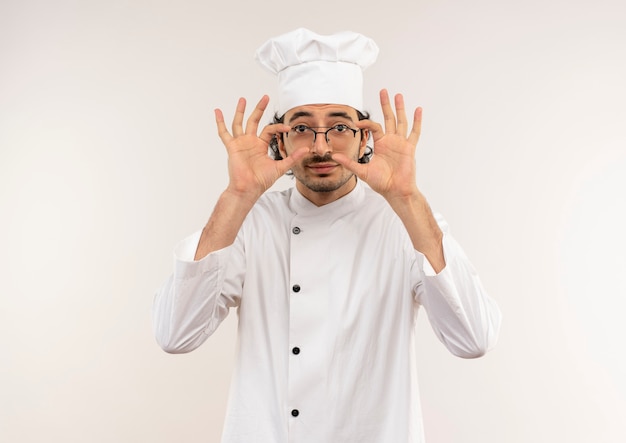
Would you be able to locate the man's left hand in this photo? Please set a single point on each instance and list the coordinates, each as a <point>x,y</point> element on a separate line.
<point>391,170</point>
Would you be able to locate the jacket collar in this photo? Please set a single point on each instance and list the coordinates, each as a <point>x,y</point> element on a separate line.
<point>344,205</point>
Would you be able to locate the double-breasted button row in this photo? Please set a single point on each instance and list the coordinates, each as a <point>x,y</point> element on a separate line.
<point>296,230</point>
<point>295,412</point>
<point>296,288</point>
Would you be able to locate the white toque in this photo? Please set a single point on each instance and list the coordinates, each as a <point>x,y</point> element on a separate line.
<point>318,69</point>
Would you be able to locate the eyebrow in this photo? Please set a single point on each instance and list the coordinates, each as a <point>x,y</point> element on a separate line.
<point>330,114</point>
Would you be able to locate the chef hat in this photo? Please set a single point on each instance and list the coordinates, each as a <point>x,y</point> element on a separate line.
<point>318,69</point>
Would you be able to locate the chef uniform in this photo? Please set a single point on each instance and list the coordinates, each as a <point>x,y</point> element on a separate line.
<point>327,298</point>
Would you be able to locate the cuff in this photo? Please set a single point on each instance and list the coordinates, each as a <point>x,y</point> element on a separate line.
<point>184,253</point>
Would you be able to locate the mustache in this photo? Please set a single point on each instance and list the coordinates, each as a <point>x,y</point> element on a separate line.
<point>316,158</point>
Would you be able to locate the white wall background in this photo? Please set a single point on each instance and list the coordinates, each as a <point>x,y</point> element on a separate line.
<point>109,156</point>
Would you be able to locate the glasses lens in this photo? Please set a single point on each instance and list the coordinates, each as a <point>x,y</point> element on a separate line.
<point>340,135</point>
<point>302,135</point>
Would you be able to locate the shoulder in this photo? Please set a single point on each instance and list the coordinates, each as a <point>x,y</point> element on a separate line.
<point>274,198</point>
<point>372,196</point>
<point>376,204</point>
<point>273,204</point>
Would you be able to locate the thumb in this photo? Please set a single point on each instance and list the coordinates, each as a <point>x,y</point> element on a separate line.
<point>358,169</point>
<point>290,160</point>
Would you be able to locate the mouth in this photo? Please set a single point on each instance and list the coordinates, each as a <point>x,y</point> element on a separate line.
<point>322,168</point>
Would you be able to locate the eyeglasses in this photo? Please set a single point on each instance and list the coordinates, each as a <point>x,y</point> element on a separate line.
<point>337,136</point>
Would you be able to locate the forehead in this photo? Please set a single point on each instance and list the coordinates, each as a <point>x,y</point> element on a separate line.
<point>321,111</point>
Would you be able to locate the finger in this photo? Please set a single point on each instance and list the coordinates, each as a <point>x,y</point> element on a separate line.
<point>253,121</point>
<point>414,136</point>
<point>375,128</point>
<point>237,126</point>
<point>390,119</point>
<point>401,115</point>
<point>358,169</point>
<point>273,130</point>
<point>221,126</point>
<point>290,160</point>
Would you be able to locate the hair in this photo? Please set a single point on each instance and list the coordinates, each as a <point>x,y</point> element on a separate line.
<point>275,152</point>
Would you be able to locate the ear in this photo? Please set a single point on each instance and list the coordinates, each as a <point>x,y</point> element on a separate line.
<point>281,145</point>
<point>363,144</point>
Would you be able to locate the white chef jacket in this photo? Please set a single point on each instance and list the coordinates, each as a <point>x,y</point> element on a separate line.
<point>327,299</point>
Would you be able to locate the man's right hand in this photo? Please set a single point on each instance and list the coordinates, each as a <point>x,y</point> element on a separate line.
<point>251,171</point>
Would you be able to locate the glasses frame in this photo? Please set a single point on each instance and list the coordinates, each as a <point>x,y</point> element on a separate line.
<point>328,129</point>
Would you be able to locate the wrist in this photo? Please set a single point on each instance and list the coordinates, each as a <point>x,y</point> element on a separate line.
<point>247,196</point>
<point>404,197</point>
<point>426,235</point>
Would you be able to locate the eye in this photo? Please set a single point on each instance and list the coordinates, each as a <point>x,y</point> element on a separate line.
<point>340,128</point>
<point>300,129</point>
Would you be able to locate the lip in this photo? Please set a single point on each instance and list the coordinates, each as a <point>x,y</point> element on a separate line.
<point>322,168</point>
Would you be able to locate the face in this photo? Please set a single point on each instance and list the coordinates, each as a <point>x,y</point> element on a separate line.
<point>319,178</point>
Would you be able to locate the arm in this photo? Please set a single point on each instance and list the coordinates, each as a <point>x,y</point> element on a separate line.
<point>197,297</point>
<point>391,173</point>
<point>251,172</point>
<point>209,268</point>
<point>464,318</point>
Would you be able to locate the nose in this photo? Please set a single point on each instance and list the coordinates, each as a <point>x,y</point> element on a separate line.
<point>320,145</point>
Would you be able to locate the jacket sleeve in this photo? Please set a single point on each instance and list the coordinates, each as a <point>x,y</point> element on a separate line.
<point>195,299</point>
<point>463,316</point>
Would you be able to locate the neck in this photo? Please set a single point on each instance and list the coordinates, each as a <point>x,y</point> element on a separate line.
<point>319,198</point>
